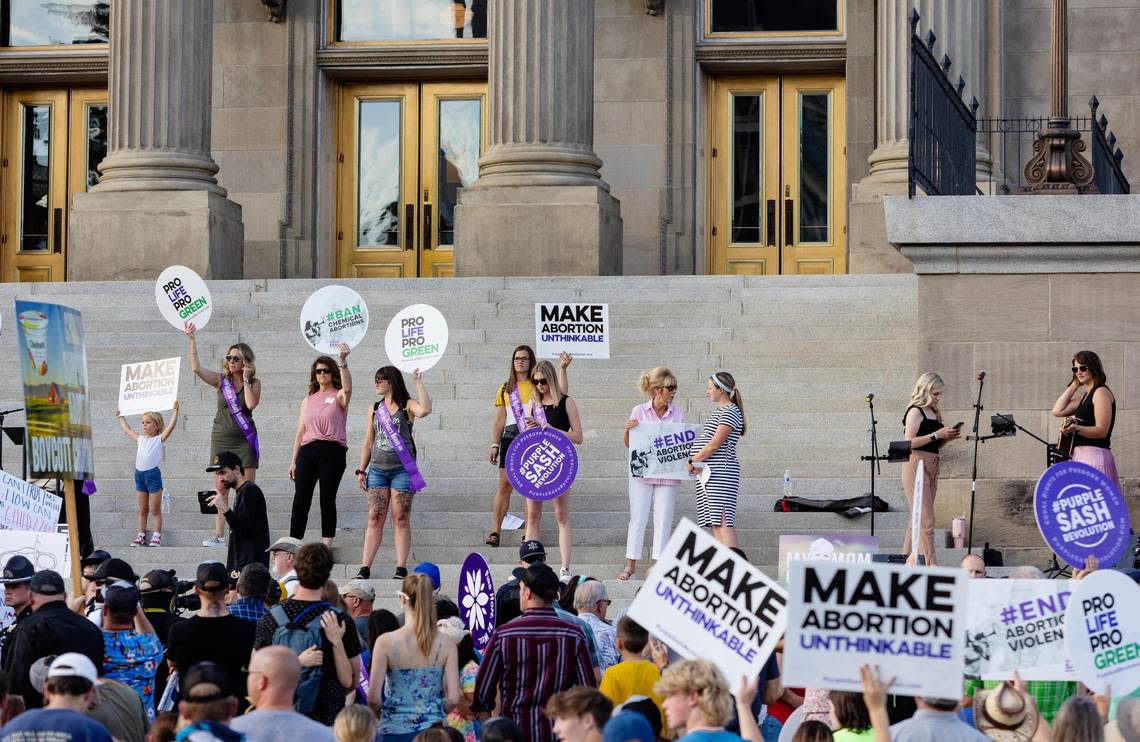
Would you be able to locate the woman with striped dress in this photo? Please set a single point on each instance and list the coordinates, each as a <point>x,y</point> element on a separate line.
<point>715,447</point>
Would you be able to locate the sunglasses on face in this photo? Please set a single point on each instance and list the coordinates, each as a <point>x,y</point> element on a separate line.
<point>89,577</point>
<point>540,382</point>
<point>234,359</point>
<point>1080,368</point>
<point>322,370</point>
<point>669,388</point>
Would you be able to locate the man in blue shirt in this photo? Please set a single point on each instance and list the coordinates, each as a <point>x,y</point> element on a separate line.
<point>68,691</point>
<point>132,651</point>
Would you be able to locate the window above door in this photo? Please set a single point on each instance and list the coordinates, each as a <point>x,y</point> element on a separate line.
<point>407,21</point>
<point>51,23</point>
<point>766,19</point>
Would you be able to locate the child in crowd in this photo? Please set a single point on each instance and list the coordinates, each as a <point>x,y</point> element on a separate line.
<point>634,675</point>
<point>148,477</point>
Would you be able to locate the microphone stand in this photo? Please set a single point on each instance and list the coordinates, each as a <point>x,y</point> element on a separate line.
<point>3,414</point>
<point>974,475</point>
<point>874,458</point>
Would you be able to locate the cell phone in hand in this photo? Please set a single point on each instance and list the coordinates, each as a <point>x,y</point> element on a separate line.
<point>205,508</point>
<point>958,426</point>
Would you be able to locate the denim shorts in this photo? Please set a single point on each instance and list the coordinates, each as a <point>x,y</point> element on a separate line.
<point>396,479</point>
<point>149,480</point>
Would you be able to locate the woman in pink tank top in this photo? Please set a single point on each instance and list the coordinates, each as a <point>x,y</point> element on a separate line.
<point>321,443</point>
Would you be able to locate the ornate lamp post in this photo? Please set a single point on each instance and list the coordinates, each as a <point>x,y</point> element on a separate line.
<point>1057,165</point>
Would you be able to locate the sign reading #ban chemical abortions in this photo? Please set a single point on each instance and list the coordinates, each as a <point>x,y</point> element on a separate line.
<point>706,602</point>
<point>1103,631</point>
<point>416,338</point>
<point>182,297</point>
<point>910,621</point>
<point>1081,513</point>
<point>332,315</point>
<point>1017,625</point>
<point>661,450</point>
<point>148,386</point>
<point>582,330</point>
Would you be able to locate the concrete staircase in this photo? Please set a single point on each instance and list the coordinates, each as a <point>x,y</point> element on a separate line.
<point>804,351</point>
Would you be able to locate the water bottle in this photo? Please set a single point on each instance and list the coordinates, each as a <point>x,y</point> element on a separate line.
<point>165,501</point>
<point>787,483</point>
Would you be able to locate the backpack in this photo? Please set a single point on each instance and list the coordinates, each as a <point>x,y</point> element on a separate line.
<point>300,634</point>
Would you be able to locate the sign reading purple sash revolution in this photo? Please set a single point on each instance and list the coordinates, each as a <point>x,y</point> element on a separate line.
<point>541,463</point>
<point>477,599</point>
<point>388,427</point>
<point>1081,513</point>
<point>240,418</point>
<point>517,408</point>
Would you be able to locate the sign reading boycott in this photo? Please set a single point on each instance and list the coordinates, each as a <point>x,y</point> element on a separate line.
<point>661,450</point>
<point>26,507</point>
<point>910,621</point>
<point>148,386</point>
<point>582,330</point>
<point>1081,513</point>
<point>54,370</point>
<point>1017,625</point>
<point>416,338</point>
<point>706,602</point>
<point>828,547</point>
<point>182,297</point>
<point>331,315</point>
<point>1103,631</point>
<point>541,463</point>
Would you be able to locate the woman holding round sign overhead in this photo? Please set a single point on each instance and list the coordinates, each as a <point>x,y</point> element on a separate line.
<point>239,391</point>
<point>715,448</point>
<point>922,426</point>
<point>1089,409</point>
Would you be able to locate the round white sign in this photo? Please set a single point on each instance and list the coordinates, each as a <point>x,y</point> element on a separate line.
<point>182,297</point>
<point>1102,631</point>
<point>331,315</point>
<point>416,338</point>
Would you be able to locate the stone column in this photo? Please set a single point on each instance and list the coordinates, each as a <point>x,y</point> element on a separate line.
<point>158,201</point>
<point>539,206</point>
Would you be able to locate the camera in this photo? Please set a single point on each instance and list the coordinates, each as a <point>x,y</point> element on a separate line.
<point>185,598</point>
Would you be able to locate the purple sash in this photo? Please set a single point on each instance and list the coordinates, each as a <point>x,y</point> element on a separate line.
<point>384,420</point>
<point>517,408</point>
<point>539,413</point>
<point>239,416</point>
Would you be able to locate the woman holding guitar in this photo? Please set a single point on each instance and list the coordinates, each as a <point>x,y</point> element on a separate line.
<point>1089,409</point>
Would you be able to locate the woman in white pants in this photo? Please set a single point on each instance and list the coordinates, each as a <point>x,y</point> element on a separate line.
<point>660,385</point>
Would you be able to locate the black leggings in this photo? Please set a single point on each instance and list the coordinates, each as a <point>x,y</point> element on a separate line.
<point>317,461</point>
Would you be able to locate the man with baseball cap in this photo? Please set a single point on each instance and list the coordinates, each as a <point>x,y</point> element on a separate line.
<point>507,596</point>
<point>282,555</point>
<point>68,691</point>
<point>249,524</point>
<point>207,706</point>
<point>358,597</point>
<point>132,651</point>
<point>16,577</point>
<point>212,634</point>
<point>50,629</point>
<point>85,603</point>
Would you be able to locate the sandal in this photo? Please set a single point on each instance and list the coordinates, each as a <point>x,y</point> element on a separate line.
<point>626,574</point>
<point>492,539</point>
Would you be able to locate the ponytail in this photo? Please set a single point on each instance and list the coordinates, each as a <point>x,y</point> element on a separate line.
<point>421,598</point>
<point>738,400</point>
<point>724,380</point>
<point>656,377</point>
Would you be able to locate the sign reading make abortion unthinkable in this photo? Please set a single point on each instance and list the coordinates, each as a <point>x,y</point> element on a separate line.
<point>1103,631</point>
<point>1017,625</point>
<point>1081,513</point>
<point>661,450</point>
<point>582,330</point>
<point>26,507</point>
<point>53,364</point>
<point>910,621</point>
<point>416,338</point>
<point>331,315</point>
<point>477,599</point>
<point>541,463</point>
<point>182,297</point>
<point>706,602</point>
<point>148,386</point>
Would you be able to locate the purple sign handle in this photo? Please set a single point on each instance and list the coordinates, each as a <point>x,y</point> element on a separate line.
<point>477,599</point>
<point>541,463</point>
<point>1081,513</point>
<point>384,420</point>
<point>239,416</point>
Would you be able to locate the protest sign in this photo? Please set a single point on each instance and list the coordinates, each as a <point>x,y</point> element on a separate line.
<point>1103,631</point>
<point>911,621</point>
<point>416,338</point>
<point>582,330</point>
<point>916,510</point>
<point>182,296</point>
<point>1017,625</point>
<point>54,370</point>
<point>828,547</point>
<point>1081,513</point>
<point>44,550</point>
<point>541,463</point>
<point>26,507</point>
<point>661,450</point>
<point>477,599</point>
<point>331,315</point>
<point>148,386</point>
<point>706,602</point>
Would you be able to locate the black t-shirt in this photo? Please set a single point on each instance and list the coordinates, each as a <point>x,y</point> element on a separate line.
<point>227,640</point>
<point>330,698</point>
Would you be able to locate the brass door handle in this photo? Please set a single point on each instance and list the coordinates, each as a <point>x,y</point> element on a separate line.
<point>771,222</point>
<point>427,226</point>
<point>409,227</point>
<point>789,223</point>
<point>57,231</point>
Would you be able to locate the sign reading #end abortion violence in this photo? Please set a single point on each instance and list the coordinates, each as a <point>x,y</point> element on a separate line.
<point>910,621</point>
<point>1081,513</point>
<point>706,602</point>
<point>1103,632</point>
<point>1017,625</point>
<point>582,330</point>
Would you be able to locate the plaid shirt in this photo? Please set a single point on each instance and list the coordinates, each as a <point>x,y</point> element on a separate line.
<point>1049,694</point>
<point>528,660</point>
<point>249,609</point>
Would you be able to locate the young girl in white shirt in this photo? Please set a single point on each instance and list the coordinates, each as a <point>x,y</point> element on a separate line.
<point>148,477</point>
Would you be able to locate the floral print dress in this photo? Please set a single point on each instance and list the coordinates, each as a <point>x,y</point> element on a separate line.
<point>457,721</point>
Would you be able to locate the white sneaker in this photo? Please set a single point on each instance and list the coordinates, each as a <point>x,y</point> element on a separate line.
<point>564,574</point>
<point>216,541</point>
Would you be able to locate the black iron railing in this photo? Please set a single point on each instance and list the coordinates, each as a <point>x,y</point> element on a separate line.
<point>1106,156</point>
<point>942,129</point>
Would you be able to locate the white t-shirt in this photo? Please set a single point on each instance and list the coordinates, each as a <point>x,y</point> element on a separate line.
<point>149,453</point>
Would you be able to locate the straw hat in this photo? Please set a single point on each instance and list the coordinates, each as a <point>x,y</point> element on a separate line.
<point>1005,715</point>
<point>1126,726</point>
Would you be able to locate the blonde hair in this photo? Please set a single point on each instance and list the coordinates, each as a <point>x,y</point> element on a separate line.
<point>921,396</point>
<point>421,597</point>
<point>247,360</point>
<point>724,379</point>
<point>355,723</point>
<point>654,378</point>
<point>156,417</point>
<point>703,678</point>
<point>547,368</point>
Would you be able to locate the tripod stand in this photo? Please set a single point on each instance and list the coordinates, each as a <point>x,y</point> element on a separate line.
<point>14,434</point>
<point>874,458</point>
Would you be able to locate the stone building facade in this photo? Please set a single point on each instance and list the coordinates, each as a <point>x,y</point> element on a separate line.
<point>677,137</point>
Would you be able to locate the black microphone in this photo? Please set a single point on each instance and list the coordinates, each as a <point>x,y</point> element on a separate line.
<point>981,375</point>
<point>869,398</point>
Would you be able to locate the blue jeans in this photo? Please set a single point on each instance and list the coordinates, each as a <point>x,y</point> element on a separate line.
<point>149,480</point>
<point>396,479</point>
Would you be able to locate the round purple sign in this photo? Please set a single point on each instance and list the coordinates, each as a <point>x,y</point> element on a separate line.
<point>542,463</point>
<point>477,599</point>
<point>1080,513</point>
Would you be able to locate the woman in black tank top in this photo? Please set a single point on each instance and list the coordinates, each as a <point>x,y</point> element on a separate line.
<point>1090,411</point>
<point>922,424</point>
